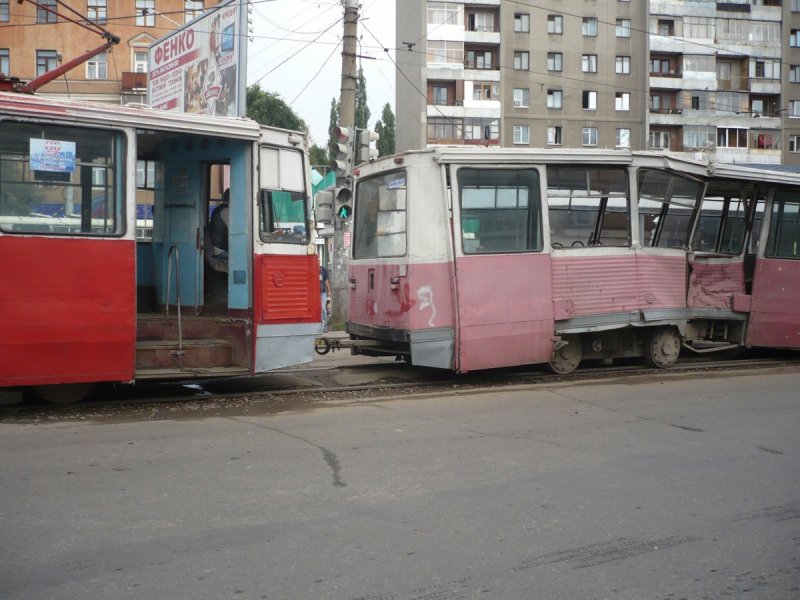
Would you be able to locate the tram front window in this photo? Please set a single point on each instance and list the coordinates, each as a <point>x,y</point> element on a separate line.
<point>380,216</point>
<point>61,180</point>
<point>283,205</point>
<point>666,203</point>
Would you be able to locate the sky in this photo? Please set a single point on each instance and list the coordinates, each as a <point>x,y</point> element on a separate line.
<point>296,53</point>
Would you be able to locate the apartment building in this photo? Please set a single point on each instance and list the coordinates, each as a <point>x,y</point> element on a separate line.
<point>518,74</point>
<point>36,38</point>
<point>708,79</point>
<point>720,79</point>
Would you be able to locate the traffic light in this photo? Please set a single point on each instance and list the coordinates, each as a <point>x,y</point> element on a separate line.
<point>342,151</point>
<point>366,138</point>
<point>323,211</point>
<point>344,206</point>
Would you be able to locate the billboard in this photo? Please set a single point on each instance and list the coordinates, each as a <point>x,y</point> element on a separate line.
<point>201,67</point>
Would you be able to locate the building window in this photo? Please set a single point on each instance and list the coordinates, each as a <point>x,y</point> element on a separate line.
<point>698,136</point>
<point>623,28</point>
<point>590,136</point>
<point>439,94</point>
<point>589,63</point>
<point>97,67</point>
<point>794,108</point>
<point>140,61</point>
<point>589,27</point>
<point>481,21</point>
<point>665,27</point>
<point>794,38</point>
<point>46,60</point>
<point>5,61</point>
<point>794,143</point>
<point>658,140</point>
<point>4,11</point>
<point>442,128</point>
<point>522,97</point>
<point>445,13</point>
<point>484,90</point>
<point>589,101</point>
<point>623,65</point>
<point>555,24</point>
<point>795,5</point>
<point>481,129</point>
<point>794,73</point>
<point>192,9</point>
<point>445,52</point>
<point>43,15</point>
<point>623,138</point>
<point>554,136</point>
<point>695,102</point>
<point>97,11</point>
<point>622,101</point>
<point>554,61</point>
<point>521,60</point>
<point>479,59</point>
<point>146,13</point>
<point>555,98</point>
<point>522,134</point>
<point>522,22</point>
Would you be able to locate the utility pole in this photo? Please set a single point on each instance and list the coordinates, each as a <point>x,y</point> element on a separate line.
<point>342,233</point>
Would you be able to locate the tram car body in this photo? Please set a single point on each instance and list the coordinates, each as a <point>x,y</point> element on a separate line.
<point>108,273</point>
<point>474,258</point>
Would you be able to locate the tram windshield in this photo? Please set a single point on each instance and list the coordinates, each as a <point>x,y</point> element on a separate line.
<point>61,180</point>
<point>722,224</point>
<point>666,203</point>
<point>380,216</point>
<point>283,206</point>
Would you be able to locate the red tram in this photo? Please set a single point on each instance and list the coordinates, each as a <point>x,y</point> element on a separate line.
<point>469,259</point>
<point>107,271</point>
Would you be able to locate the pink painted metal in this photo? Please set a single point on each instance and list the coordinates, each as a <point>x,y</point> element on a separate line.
<point>713,282</point>
<point>505,311</point>
<point>407,297</point>
<point>662,280</point>
<point>594,285</point>
<point>775,305</point>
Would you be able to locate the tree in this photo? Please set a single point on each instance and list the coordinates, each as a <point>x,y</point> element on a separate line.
<point>270,109</point>
<point>386,129</point>
<point>334,122</point>
<point>318,156</point>
<point>362,110</point>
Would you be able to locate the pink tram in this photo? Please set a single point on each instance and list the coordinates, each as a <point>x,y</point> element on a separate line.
<point>108,271</point>
<point>469,258</point>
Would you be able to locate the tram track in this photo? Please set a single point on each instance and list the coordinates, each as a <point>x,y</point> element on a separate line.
<point>172,401</point>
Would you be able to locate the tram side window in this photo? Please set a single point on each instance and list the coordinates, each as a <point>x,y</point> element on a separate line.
<point>61,180</point>
<point>283,206</point>
<point>380,216</point>
<point>722,224</point>
<point>588,206</point>
<point>500,210</point>
<point>666,203</point>
<point>784,228</point>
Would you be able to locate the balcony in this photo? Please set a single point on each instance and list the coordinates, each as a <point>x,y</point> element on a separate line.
<point>133,81</point>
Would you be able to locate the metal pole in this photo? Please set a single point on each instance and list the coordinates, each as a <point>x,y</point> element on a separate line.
<point>342,233</point>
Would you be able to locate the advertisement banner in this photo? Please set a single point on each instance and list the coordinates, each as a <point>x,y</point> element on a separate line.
<point>201,67</point>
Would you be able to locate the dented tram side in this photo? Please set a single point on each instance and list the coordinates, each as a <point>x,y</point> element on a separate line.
<point>108,270</point>
<point>469,259</point>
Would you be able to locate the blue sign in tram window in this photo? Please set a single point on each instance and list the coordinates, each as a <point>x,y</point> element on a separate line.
<point>52,155</point>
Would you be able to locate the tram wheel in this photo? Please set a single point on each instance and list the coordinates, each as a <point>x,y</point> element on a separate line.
<point>662,347</point>
<point>322,347</point>
<point>64,393</point>
<point>567,358</point>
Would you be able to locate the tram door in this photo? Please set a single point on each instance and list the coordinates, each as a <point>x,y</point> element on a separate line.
<point>503,282</point>
<point>775,308</point>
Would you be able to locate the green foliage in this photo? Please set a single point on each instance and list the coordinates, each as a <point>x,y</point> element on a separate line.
<point>318,156</point>
<point>335,109</point>
<point>270,109</point>
<point>386,129</point>
<point>362,110</point>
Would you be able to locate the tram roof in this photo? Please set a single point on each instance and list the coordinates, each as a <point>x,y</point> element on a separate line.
<point>139,117</point>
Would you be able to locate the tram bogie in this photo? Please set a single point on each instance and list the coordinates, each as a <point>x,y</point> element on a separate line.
<point>469,259</point>
<point>110,268</point>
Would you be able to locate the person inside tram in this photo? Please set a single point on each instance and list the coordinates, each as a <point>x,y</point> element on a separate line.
<point>218,234</point>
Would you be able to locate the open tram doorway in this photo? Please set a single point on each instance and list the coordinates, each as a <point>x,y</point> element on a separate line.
<point>215,221</point>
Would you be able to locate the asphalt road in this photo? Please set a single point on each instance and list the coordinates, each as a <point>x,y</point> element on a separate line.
<point>666,487</point>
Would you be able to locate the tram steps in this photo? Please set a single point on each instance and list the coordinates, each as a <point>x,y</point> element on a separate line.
<point>194,354</point>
